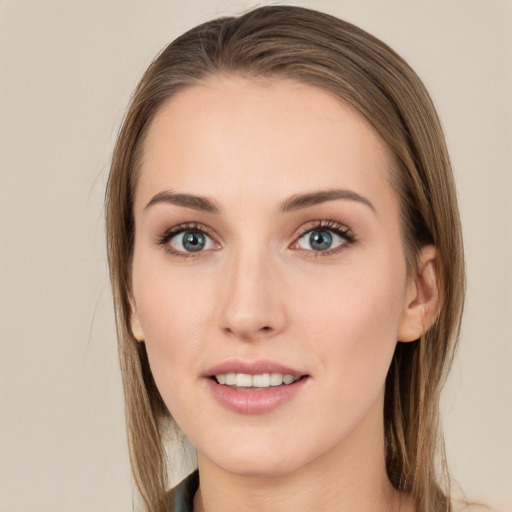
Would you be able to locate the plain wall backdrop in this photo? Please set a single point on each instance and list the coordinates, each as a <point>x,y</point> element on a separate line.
<point>67,70</point>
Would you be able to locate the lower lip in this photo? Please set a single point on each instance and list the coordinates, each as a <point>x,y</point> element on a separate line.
<point>254,401</point>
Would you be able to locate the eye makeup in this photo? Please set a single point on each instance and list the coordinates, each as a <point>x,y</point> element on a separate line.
<point>321,238</point>
<point>200,235</point>
<point>326,238</point>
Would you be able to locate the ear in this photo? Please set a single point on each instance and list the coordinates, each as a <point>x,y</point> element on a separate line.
<point>421,306</point>
<point>135,324</point>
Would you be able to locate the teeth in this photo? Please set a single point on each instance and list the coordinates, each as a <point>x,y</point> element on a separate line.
<point>243,380</point>
<point>288,379</point>
<point>276,379</point>
<point>263,380</point>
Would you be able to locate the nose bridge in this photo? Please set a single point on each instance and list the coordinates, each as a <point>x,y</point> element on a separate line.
<point>251,303</point>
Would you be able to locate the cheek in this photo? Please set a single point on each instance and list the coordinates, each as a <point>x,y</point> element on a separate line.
<point>352,323</point>
<point>351,332</point>
<point>171,331</point>
<point>171,300</point>
<point>172,312</point>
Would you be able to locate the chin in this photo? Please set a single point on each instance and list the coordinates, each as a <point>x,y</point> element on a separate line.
<point>258,460</point>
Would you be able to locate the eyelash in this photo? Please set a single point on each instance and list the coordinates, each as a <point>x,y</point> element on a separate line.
<point>319,225</point>
<point>331,226</point>
<point>176,230</point>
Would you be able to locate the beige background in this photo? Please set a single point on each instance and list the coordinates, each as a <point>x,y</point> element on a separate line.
<point>67,69</point>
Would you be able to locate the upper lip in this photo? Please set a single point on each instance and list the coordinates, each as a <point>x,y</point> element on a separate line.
<point>252,368</point>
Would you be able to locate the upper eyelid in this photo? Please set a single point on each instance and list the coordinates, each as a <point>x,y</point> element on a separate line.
<point>327,224</point>
<point>186,226</point>
<point>164,240</point>
<point>189,226</point>
<point>340,229</point>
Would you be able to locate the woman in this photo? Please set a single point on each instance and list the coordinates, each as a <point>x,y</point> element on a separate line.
<point>287,268</point>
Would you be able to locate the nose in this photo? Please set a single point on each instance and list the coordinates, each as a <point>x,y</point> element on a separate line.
<point>251,302</point>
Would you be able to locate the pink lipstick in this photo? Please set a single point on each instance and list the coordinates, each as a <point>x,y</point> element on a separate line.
<point>254,387</point>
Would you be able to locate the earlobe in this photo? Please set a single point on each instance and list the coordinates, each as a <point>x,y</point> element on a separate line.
<point>421,305</point>
<point>135,324</point>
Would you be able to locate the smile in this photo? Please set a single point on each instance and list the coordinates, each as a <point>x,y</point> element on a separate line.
<point>255,387</point>
<point>262,380</point>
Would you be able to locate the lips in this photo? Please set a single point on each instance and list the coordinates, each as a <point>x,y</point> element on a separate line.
<point>252,368</point>
<point>254,387</point>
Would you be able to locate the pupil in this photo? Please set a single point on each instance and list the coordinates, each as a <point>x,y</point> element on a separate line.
<point>320,240</point>
<point>193,242</point>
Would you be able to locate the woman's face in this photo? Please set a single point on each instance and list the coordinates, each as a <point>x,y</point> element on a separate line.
<point>267,251</point>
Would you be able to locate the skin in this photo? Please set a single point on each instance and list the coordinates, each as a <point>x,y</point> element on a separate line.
<point>259,291</point>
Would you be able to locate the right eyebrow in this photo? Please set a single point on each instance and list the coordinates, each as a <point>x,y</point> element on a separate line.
<point>186,200</point>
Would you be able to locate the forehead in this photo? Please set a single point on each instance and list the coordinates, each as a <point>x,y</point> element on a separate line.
<point>277,136</point>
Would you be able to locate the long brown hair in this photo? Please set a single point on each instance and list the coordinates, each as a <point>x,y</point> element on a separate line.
<point>318,49</point>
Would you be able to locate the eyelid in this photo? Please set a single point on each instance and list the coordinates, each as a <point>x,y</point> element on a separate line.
<point>324,225</point>
<point>327,225</point>
<point>173,231</point>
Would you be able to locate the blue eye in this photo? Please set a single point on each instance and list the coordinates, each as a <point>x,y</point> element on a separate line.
<point>321,240</point>
<point>191,241</point>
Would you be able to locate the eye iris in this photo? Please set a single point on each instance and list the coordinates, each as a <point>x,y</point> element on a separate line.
<point>193,242</point>
<point>320,240</point>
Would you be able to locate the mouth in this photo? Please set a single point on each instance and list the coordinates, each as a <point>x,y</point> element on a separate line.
<point>260,381</point>
<point>255,387</point>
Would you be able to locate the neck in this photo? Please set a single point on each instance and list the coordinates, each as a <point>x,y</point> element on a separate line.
<point>349,477</point>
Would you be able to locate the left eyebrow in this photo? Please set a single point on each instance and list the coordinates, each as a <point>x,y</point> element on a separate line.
<point>300,201</point>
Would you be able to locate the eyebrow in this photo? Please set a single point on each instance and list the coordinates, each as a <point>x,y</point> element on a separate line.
<point>294,203</point>
<point>186,200</point>
<point>300,201</point>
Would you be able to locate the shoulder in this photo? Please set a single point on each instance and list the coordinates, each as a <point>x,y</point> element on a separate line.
<point>181,497</point>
